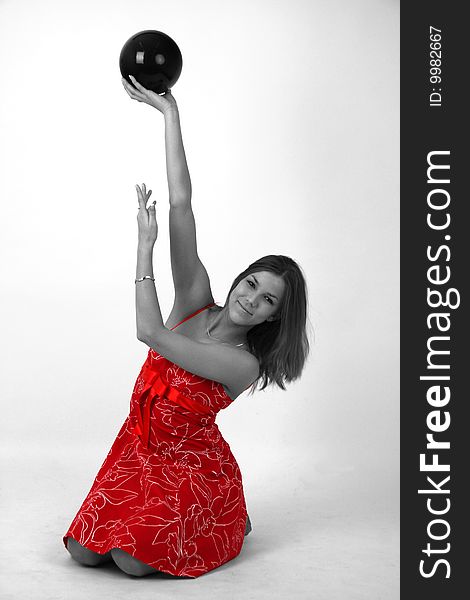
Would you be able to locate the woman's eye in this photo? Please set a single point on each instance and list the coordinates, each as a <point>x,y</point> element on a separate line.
<point>251,283</point>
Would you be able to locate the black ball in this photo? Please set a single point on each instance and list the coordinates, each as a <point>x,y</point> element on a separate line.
<point>153,58</point>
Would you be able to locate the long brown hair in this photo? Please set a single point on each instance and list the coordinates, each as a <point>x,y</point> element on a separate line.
<point>281,345</point>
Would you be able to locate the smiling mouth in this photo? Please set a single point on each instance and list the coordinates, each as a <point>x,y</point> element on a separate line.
<point>247,312</point>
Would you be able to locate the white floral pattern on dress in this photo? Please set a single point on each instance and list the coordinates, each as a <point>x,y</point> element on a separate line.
<point>178,504</point>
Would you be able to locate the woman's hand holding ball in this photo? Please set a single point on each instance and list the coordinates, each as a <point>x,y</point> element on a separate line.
<point>163,103</point>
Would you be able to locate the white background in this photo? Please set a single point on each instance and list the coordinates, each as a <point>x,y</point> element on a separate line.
<point>290,120</point>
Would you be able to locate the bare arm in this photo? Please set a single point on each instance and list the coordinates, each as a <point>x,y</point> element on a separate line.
<point>190,278</point>
<point>231,366</point>
<point>192,285</point>
<point>179,181</point>
<point>147,307</point>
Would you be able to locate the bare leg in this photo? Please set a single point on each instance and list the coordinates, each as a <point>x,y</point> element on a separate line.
<point>248,525</point>
<point>129,564</point>
<point>85,556</point>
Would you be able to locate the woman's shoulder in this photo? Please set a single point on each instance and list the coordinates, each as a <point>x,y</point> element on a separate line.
<point>248,373</point>
<point>251,361</point>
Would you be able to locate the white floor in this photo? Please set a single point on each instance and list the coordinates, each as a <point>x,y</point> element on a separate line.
<point>315,536</point>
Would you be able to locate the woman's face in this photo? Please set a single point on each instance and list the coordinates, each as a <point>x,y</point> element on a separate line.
<point>257,297</point>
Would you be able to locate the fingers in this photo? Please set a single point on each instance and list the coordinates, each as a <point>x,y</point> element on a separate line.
<point>140,197</point>
<point>146,194</point>
<point>143,191</point>
<point>133,93</point>
<point>138,89</point>
<point>138,85</point>
<point>143,195</point>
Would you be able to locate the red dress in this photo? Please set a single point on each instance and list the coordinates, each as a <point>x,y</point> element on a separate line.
<point>169,491</point>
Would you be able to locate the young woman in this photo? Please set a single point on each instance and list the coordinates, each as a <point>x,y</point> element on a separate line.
<point>169,495</point>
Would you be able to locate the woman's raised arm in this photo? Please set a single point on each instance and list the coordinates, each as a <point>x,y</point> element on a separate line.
<point>179,182</point>
<point>190,278</point>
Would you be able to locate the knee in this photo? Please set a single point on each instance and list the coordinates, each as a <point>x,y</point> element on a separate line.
<point>129,564</point>
<point>82,554</point>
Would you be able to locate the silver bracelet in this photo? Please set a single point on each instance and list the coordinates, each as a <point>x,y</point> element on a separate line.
<point>145,277</point>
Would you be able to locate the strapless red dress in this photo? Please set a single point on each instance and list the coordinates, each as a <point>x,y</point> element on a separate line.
<point>169,491</point>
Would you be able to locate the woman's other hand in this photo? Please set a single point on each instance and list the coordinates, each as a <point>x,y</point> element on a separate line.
<point>162,103</point>
<point>146,219</point>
